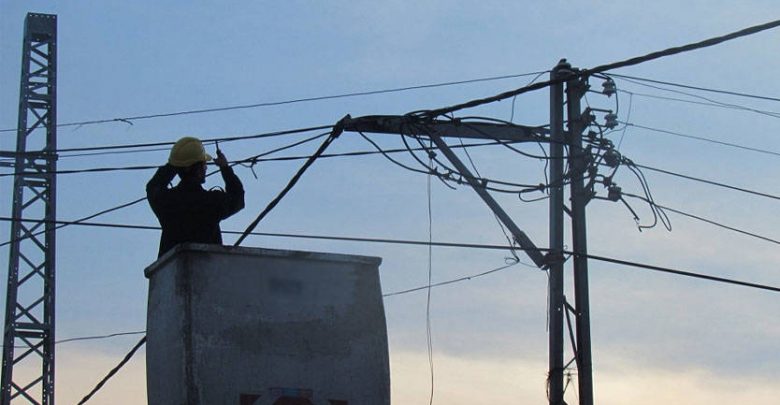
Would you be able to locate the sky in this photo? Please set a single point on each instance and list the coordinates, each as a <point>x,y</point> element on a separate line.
<point>656,338</point>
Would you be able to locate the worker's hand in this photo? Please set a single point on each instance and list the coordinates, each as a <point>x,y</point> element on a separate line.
<point>221,160</point>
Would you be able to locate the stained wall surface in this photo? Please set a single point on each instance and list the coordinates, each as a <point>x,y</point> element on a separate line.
<point>258,326</point>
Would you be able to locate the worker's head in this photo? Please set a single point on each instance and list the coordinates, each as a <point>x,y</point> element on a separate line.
<point>189,158</point>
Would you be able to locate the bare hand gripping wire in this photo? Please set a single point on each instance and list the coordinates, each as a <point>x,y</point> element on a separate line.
<point>337,130</point>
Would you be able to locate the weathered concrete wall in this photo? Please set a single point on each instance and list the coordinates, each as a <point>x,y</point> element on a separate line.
<point>254,326</point>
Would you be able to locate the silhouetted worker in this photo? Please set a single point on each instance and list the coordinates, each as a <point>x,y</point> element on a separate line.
<point>187,212</point>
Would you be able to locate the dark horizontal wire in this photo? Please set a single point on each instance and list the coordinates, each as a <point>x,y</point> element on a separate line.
<point>259,160</point>
<point>441,244</point>
<point>687,86</point>
<point>703,103</point>
<point>702,219</point>
<point>113,371</point>
<point>147,167</point>
<point>710,182</point>
<point>701,138</point>
<point>457,280</point>
<point>680,272</point>
<point>715,102</point>
<point>206,141</point>
<point>76,339</point>
<point>603,68</point>
<point>121,206</point>
<point>293,101</point>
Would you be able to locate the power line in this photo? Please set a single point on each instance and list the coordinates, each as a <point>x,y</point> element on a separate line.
<point>681,272</point>
<point>258,159</point>
<point>253,160</point>
<point>98,337</point>
<point>709,100</point>
<point>78,221</point>
<point>701,138</point>
<point>603,68</point>
<point>441,244</point>
<point>709,221</point>
<point>686,86</point>
<point>113,371</point>
<point>710,182</point>
<point>131,168</point>
<point>707,103</point>
<point>453,281</point>
<point>337,130</point>
<point>292,101</point>
<point>205,141</point>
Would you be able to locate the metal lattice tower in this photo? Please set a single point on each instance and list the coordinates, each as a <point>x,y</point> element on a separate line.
<point>28,351</point>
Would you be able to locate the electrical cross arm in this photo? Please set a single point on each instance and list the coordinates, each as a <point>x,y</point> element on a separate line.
<point>435,130</point>
<point>410,125</point>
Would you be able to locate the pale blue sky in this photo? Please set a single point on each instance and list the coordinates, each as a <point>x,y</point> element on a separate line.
<point>120,59</point>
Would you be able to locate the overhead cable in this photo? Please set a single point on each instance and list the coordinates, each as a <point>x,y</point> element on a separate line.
<point>686,86</point>
<point>337,130</point>
<point>711,182</point>
<point>292,101</point>
<point>708,103</point>
<point>440,244</point>
<point>252,160</point>
<point>205,141</point>
<point>453,281</point>
<point>602,68</point>
<point>113,371</point>
<point>260,159</point>
<point>702,219</point>
<point>98,337</point>
<point>701,138</point>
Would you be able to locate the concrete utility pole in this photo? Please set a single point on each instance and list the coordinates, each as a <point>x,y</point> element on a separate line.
<point>556,298</point>
<point>580,163</point>
<point>29,310</point>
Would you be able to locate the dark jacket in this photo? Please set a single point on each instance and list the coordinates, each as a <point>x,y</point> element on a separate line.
<point>187,212</point>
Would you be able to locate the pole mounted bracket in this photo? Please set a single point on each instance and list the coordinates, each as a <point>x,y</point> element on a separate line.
<point>553,258</point>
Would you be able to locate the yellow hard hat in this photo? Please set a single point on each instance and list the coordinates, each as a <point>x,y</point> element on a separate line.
<point>187,151</point>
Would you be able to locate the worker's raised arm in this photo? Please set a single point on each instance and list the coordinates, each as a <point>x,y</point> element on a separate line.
<point>159,182</point>
<point>234,190</point>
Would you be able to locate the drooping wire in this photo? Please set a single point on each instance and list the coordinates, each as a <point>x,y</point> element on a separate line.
<point>702,219</point>
<point>448,175</point>
<point>337,130</point>
<point>658,213</point>
<point>113,371</point>
<point>136,201</point>
<point>512,116</point>
<point>628,119</point>
<point>515,258</point>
